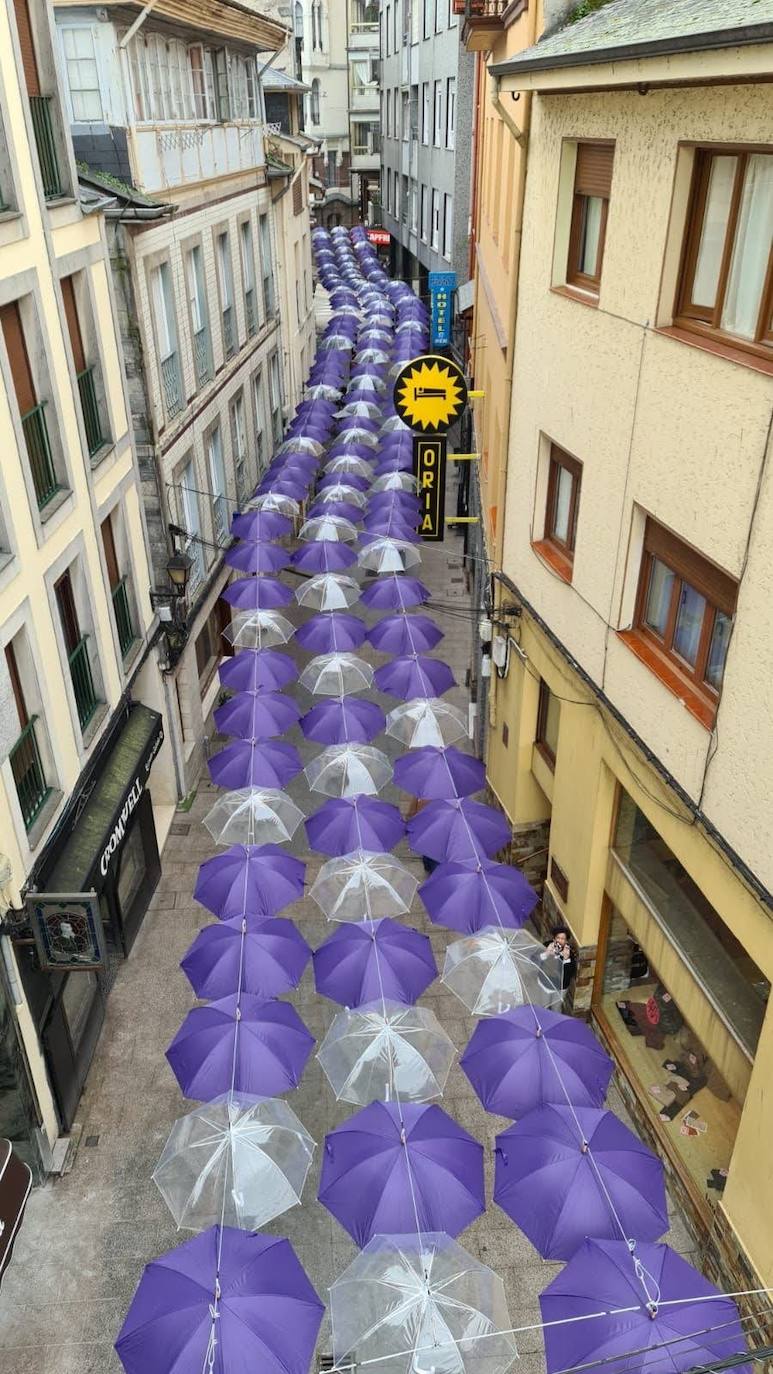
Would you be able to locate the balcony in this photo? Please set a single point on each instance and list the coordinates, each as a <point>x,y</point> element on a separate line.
<point>95,439</point>
<point>366,98</point>
<point>39,454</point>
<point>220,518</point>
<point>483,20</point>
<point>48,158</point>
<point>229,332</point>
<point>250,312</point>
<point>202,355</point>
<point>27,768</point>
<point>186,152</point>
<point>86,699</point>
<point>171,386</point>
<point>123,617</point>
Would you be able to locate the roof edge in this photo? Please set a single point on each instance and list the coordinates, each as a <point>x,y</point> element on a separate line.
<point>745,36</point>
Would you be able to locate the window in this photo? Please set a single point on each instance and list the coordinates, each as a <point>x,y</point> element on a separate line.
<point>32,406</point>
<point>29,755</point>
<point>265,257</point>
<point>684,610</point>
<point>119,585</point>
<point>191,523</point>
<point>245,99</point>
<point>414,206</point>
<point>592,185</point>
<point>222,94</point>
<point>423,214</point>
<point>197,307</point>
<point>258,403</point>
<point>437,117</point>
<point>387,29</point>
<point>451,112</point>
<point>405,108</point>
<point>239,446</point>
<point>169,82</point>
<point>275,398</point>
<point>314,102</point>
<point>220,520</point>
<point>425,107</point>
<point>435,232</point>
<point>546,737</point>
<point>440,7</point>
<point>564,481</point>
<point>298,24</point>
<point>427,18</point>
<point>248,275</point>
<point>396,185</point>
<point>389,189</point>
<point>726,287</point>
<point>82,76</point>
<point>448,226</point>
<point>202,80</point>
<point>209,645</point>
<point>86,375</point>
<point>76,645</point>
<point>225,283</point>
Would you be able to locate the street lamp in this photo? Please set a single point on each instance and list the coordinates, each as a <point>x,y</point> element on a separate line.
<point>170,602</point>
<point>178,568</point>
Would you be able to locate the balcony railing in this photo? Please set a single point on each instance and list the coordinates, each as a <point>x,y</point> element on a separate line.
<point>250,311</point>
<point>229,333</point>
<point>268,294</point>
<point>86,699</point>
<point>240,469</point>
<point>43,127</point>
<point>171,385</point>
<point>95,439</point>
<point>27,768</point>
<point>123,617</point>
<point>195,553</point>
<point>203,356</point>
<point>220,518</point>
<point>39,454</point>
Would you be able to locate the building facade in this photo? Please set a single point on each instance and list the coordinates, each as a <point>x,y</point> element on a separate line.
<point>630,739</point>
<point>83,714</point>
<point>167,116</point>
<point>320,28</point>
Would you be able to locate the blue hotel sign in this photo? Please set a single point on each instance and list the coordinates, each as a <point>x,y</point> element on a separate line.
<point>441,290</point>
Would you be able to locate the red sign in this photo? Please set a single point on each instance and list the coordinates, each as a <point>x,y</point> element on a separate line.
<point>382,237</point>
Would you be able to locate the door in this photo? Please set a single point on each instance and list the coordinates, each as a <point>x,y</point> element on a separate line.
<point>137,872</point>
<point>68,614</point>
<point>69,1037</point>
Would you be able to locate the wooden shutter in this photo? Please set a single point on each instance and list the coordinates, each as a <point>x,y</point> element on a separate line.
<point>73,324</point>
<point>18,692</point>
<point>23,385</point>
<point>67,613</point>
<point>111,558</point>
<point>593,173</point>
<point>27,46</point>
<point>298,194</point>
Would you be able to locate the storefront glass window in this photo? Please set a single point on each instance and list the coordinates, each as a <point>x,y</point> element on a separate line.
<point>18,1112</point>
<point>77,998</point>
<point>729,976</point>
<point>132,870</point>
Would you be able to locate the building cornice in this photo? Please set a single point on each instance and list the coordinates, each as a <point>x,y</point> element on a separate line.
<point>224,18</point>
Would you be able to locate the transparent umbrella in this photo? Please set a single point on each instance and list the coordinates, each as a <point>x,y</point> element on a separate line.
<point>342,491</point>
<point>332,527</point>
<point>253,815</point>
<point>322,392</point>
<point>421,1304</point>
<point>395,481</point>
<point>300,443</point>
<point>367,409</point>
<point>497,969</point>
<point>384,1050</point>
<point>348,770</point>
<point>328,592</point>
<point>363,884</point>
<point>258,630</point>
<point>357,436</point>
<point>239,1161</point>
<point>273,500</point>
<point>427,721</point>
<point>385,555</point>
<point>336,675</point>
<point>348,462</point>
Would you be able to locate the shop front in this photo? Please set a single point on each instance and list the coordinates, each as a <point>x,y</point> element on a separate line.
<point>106,846</point>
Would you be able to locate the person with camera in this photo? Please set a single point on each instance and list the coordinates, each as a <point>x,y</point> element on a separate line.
<point>558,947</point>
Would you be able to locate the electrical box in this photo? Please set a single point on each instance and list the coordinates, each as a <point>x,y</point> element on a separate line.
<point>499,651</point>
<point>485,630</point>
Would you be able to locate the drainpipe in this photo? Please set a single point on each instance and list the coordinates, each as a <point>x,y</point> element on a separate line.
<point>139,21</point>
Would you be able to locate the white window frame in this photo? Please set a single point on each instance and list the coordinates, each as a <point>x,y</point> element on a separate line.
<point>448,226</point>
<point>451,112</point>
<point>437,114</point>
<point>71,34</point>
<point>426,111</point>
<point>434,241</point>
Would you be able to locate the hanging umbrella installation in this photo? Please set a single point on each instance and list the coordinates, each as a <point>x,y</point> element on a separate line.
<point>383,1050</point>
<point>257,594</point>
<point>253,880</point>
<point>264,957</point>
<point>265,1058</point>
<point>371,959</point>
<point>323,556</point>
<point>328,592</point>
<point>497,969</point>
<point>258,630</point>
<point>331,633</point>
<point>405,634</point>
<point>363,883</point>
<point>458,829</point>
<point>336,675</point>
<point>437,774</point>
<point>344,824</point>
<point>257,557</point>
<point>254,763</point>
<point>253,815</point>
<point>256,716</point>
<point>468,896</point>
<point>414,675</point>
<point>427,722</point>
<point>343,720</point>
<point>262,670</point>
<point>348,770</point>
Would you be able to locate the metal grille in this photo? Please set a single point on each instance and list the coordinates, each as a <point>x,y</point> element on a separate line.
<point>95,440</point>
<point>39,454</point>
<point>86,699</point>
<point>43,127</point>
<point>27,769</point>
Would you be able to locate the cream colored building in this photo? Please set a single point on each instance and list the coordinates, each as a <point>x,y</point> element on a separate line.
<point>631,722</point>
<point>81,698</point>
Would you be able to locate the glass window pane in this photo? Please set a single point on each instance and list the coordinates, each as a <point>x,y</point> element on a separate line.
<point>658,597</point>
<point>720,638</point>
<point>689,622</point>
<point>590,235</point>
<point>550,732</point>
<point>751,250</point>
<point>563,502</point>
<point>712,242</point>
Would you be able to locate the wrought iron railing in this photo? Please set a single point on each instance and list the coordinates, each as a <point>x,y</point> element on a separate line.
<point>197,574</point>
<point>86,699</point>
<point>28,774</point>
<point>95,439</point>
<point>220,518</point>
<point>203,356</point>
<point>229,333</point>
<point>123,616</point>
<point>171,385</point>
<point>43,128</point>
<point>39,453</point>
<point>250,311</point>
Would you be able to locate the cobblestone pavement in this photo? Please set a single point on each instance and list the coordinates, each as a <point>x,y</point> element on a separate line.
<point>87,1235</point>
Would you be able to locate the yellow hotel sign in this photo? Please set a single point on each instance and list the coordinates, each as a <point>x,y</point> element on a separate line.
<point>430,393</point>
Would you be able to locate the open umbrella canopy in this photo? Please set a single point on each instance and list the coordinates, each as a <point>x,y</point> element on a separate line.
<point>239,1160</point>
<point>328,592</point>
<point>257,594</point>
<point>299,444</point>
<point>341,510</point>
<point>336,675</point>
<point>349,464</point>
<point>266,1316</point>
<point>531,1057</point>
<point>366,409</point>
<point>363,883</point>
<point>394,593</point>
<point>414,675</point>
<point>497,969</point>
<point>673,1317</point>
<point>385,555</point>
<point>348,770</point>
<point>251,715</point>
<point>564,1173</point>
<point>258,630</point>
<point>341,491</point>
<point>468,896</point>
<point>427,722</point>
<point>323,556</point>
<point>405,634</point>
<point>361,962</point>
<point>396,1168</point>
<point>262,957</point>
<point>439,773</point>
<point>458,829</point>
<point>331,633</point>
<point>344,824</point>
<point>343,720</point>
<point>257,557</point>
<point>384,1050</point>
<point>261,670</point>
<point>258,525</point>
<point>414,1303</point>
<point>249,880</point>
<point>259,1047</point>
<point>254,763</point>
<point>328,528</point>
<point>395,481</point>
<point>276,501</point>
<point>253,815</point>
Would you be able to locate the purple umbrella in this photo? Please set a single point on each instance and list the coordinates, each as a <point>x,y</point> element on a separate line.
<point>405,634</point>
<point>266,1315</point>
<point>257,557</point>
<point>393,527</point>
<point>257,670</point>
<point>458,829</point>
<point>564,1173</point>
<point>394,592</point>
<point>331,632</point>
<point>267,1056</point>
<point>251,716</point>
<point>323,555</point>
<point>266,958</point>
<point>414,675</point>
<point>343,720</point>
<point>402,501</point>
<point>477,893</point>
<point>251,880</point>
<point>531,1057</point>
<point>393,1161</point>
<point>280,485</point>
<point>260,524</point>
<point>257,593</point>
<point>435,773</point>
<point>345,510</point>
<point>254,763</point>
<point>344,824</point>
<point>350,479</point>
<point>364,961</point>
<point>672,1317</point>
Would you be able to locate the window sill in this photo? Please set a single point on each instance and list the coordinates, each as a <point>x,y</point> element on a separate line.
<point>92,729</point>
<point>576,293</point>
<point>553,558</point>
<point>699,706</point>
<point>55,504</point>
<point>718,347</point>
<point>45,816</point>
<point>106,449</point>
